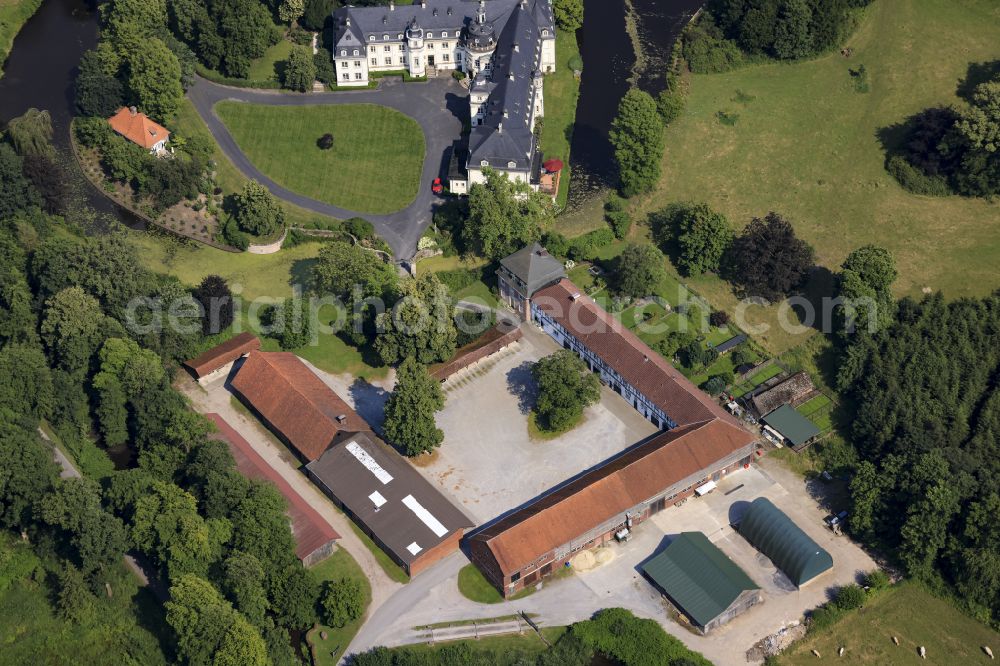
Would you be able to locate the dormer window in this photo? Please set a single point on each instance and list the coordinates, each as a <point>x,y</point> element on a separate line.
<point>545,33</point>
<point>355,52</point>
<point>430,35</point>
<point>371,38</point>
<point>343,52</point>
<point>511,164</point>
<point>399,36</point>
<point>484,163</point>
<point>385,38</point>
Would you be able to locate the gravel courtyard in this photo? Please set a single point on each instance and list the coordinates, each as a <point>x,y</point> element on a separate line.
<point>489,463</point>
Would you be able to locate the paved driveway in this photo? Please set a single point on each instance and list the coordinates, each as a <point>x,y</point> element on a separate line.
<point>438,106</point>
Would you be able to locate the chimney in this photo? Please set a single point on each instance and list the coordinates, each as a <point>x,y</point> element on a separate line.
<point>392,5</point>
<point>347,21</point>
<point>342,418</point>
<point>500,127</point>
<point>574,296</point>
<point>132,110</point>
<point>517,47</point>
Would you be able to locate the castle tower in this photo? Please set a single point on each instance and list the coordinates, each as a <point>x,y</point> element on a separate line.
<point>415,58</point>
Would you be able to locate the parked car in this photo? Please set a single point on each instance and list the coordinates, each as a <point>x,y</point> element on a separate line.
<point>436,186</point>
<point>836,522</point>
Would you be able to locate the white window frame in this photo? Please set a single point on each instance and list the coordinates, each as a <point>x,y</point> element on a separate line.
<point>371,38</point>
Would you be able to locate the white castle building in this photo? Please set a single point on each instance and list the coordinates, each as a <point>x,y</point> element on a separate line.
<point>504,46</point>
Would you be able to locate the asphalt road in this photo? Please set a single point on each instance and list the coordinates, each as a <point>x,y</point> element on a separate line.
<point>437,106</point>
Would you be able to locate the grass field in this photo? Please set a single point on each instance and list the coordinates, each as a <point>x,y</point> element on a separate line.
<point>227,176</point>
<point>265,68</point>
<point>373,167</point>
<point>528,645</point>
<point>806,144</point>
<point>13,14</point>
<point>561,92</point>
<point>337,566</point>
<point>474,586</point>
<point>914,616</point>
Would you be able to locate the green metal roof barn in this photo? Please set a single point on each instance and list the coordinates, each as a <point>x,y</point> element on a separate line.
<point>701,581</point>
<point>788,547</point>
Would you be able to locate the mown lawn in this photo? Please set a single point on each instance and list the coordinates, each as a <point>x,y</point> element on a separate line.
<point>910,613</point>
<point>806,144</point>
<point>13,14</point>
<point>336,567</point>
<point>188,123</point>
<point>259,276</point>
<point>373,167</point>
<point>266,67</point>
<point>561,92</point>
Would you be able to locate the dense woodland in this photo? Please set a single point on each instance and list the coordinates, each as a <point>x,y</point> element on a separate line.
<point>926,427</point>
<point>71,356</point>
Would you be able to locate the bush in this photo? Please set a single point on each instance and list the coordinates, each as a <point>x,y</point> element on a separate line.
<point>460,278</point>
<point>585,247</point>
<point>232,235</point>
<point>877,580</point>
<point>850,597</point>
<point>360,228</point>
<point>708,53</point>
<point>300,36</point>
<point>92,132</point>
<point>325,70</point>
<point>325,142</point>
<point>714,386</point>
<point>556,243</point>
<point>614,203</point>
<point>458,75</point>
<point>914,180</point>
<point>670,102</point>
<point>575,63</point>
<point>823,617</point>
<point>741,356</point>
<point>620,223</point>
<point>718,318</point>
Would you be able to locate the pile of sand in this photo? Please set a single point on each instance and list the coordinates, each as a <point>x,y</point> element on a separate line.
<point>591,559</point>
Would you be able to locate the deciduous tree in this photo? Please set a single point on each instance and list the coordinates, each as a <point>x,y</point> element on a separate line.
<point>342,602</point>
<point>409,412</point>
<point>420,325</point>
<point>342,267</point>
<point>565,387</point>
<point>256,210</point>
<point>31,133</point>
<point>568,14</point>
<point>640,270</point>
<point>504,215</point>
<point>637,137</point>
<point>154,79</point>
<point>300,70</point>
<point>768,260</point>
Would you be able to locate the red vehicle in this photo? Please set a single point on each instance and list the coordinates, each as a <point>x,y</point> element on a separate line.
<point>437,187</point>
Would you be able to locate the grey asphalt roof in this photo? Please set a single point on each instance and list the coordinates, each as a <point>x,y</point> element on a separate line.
<point>382,490</point>
<point>505,135</point>
<point>435,105</point>
<point>433,15</point>
<point>534,266</point>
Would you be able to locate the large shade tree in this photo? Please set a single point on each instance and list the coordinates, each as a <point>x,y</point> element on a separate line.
<point>768,259</point>
<point>637,137</point>
<point>420,325</point>
<point>565,387</point>
<point>504,215</point>
<point>409,412</point>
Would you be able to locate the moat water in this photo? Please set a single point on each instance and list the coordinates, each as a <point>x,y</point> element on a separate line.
<point>608,60</point>
<point>40,71</point>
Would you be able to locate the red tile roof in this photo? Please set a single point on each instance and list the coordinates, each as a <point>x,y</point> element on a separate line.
<point>227,352</point>
<point>295,402</point>
<point>636,476</point>
<point>629,356</point>
<point>310,529</point>
<point>138,128</point>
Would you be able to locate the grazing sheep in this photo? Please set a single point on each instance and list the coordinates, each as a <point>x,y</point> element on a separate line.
<point>988,651</point>
<point>840,652</point>
<point>923,652</point>
<point>895,640</point>
<point>816,652</point>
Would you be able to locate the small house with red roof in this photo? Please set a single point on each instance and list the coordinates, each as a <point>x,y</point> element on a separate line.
<point>140,129</point>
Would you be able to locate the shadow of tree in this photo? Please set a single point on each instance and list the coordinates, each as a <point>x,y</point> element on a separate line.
<point>301,272</point>
<point>522,385</point>
<point>977,72</point>
<point>369,401</point>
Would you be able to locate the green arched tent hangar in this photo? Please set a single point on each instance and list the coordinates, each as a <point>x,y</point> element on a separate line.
<point>785,544</point>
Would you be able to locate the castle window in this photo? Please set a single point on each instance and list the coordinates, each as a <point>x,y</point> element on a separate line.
<point>483,163</point>
<point>446,57</point>
<point>399,36</point>
<point>357,63</point>
<point>343,52</point>
<point>357,75</point>
<point>371,49</point>
<point>444,45</point>
<point>374,61</point>
<point>387,48</point>
<point>385,38</point>
<point>355,52</point>
<point>511,164</point>
<point>430,35</point>
<point>371,38</point>
<point>346,77</point>
<point>388,60</point>
<point>545,33</point>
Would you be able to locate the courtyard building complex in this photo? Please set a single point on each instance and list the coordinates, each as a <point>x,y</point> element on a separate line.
<point>503,46</point>
<point>702,442</point>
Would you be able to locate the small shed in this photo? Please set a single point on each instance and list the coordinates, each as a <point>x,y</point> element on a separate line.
<point>795,430</point>
<point>219,359</point>
<point>701,581</point>
<point>730,344</point>
<point>775,535</point>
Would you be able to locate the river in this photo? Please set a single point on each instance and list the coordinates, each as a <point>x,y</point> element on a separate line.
<point>608,58</point>
<point>40,71</point>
